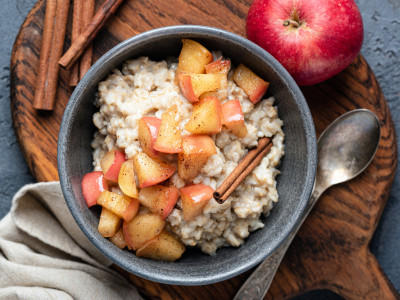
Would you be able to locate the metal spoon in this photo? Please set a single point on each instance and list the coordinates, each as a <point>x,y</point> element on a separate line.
<point>345,149</point>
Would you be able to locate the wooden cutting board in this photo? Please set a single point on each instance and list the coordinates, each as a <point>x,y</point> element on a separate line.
<point>331,249</point>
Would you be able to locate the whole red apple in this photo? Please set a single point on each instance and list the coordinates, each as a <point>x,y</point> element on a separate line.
<point>312,39</point>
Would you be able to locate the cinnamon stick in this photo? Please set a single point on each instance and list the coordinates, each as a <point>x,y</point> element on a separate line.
<point>77,25</point>
<point>48,29</point>
<point>86,60</point>
<point>89,33</point>
<point>55,26</point>
<point>244,168</point>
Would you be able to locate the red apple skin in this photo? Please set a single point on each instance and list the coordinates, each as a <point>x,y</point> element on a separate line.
<point>185,83</point>
<point>232,118</point>
<point>159,199</point>
<point>327,41</point>
<point>150,125</point>
<point>151,171</point>
<point>231,111</point>
<point>258,93</point>
<point>194,198</point>
<point>93,184</point>
<point>218,66</point>
<point>131,210</point>
<point>173,196</point>
<point>111,170</point>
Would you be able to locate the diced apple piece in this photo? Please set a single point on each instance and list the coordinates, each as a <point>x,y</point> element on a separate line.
<point>194,85</point>
<point>206,117</point>
<point>126,179</point>
<point>120,205</point>
<point>159,199</point>
<point>252,85</point>
<point>131,210</point>
<point>111,163</point>
<point>118,239</point>
<point>193,57</point>
<point>194,198</point>
<point>148,131</point>
<point>93,184</point>
<point>141,229</point>
<point>232,118</point>
<point>150,171</point>
<point>221,93</point>
<point>169,138</point>
<point>220,66</point>
<point>185,83</point>
<point>164,247</point>
<point>196,150</point>
<point>109,223</point>
<point>231,111</point>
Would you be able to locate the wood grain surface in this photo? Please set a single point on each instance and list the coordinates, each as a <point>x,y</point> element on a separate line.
<point>331,249</point>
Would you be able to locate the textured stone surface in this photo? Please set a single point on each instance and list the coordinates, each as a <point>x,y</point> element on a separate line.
<point>14,172</point>
<point>381,49</point>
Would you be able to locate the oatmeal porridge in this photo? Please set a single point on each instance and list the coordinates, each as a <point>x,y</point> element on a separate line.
<point>143,87</point>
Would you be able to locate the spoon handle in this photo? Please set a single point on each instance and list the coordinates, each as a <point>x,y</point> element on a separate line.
<point>258,283</point>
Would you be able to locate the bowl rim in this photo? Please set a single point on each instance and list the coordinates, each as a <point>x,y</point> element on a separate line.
<point>311,144</point>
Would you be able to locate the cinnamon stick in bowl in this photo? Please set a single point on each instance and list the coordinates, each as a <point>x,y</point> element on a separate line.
<point>244,168</point>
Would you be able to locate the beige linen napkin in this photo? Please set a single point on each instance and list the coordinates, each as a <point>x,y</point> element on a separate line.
<point>44,254</point>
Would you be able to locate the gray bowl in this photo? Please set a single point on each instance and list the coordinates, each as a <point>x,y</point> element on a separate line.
<point>294,183</point>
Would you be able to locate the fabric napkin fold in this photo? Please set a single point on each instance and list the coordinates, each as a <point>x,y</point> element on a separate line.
<point>45,255</point>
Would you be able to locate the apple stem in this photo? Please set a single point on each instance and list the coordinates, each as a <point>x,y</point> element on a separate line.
<point>291,22</point>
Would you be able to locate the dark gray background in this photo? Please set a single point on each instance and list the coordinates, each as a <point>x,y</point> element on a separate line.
<point>381,49</point>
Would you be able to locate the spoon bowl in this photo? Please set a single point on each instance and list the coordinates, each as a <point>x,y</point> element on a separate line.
<point>347,146</point>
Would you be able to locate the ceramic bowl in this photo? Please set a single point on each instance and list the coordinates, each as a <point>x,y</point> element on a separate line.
<point>297,168</point>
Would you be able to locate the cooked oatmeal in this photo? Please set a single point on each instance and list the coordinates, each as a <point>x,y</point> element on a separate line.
<point>147,88</point>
